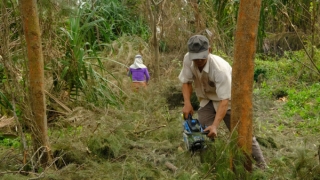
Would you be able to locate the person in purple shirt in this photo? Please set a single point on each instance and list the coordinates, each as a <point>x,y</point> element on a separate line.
<point>139,73</point>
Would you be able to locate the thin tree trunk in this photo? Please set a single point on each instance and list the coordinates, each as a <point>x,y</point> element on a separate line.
<point>36,80</point>
<point>4,50</point>
<point>313,23</point>
<point>155,44</point>
<point>197,16</point>
<point>154,14</point>
<point>242,75</point>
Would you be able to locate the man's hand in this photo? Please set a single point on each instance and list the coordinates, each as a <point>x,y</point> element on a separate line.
<point>221,112</point>
<point>212,131</point>
<point>186,110</point>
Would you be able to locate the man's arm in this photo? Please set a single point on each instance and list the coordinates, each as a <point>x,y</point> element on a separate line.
<point>221,112</point>
<point>187,91</point>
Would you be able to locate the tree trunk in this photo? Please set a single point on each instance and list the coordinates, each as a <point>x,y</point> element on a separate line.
<point>156,45</point>
<point>200,26</point>
<point>154,16</point>
<point>242,75</point>
<point>36,80</point>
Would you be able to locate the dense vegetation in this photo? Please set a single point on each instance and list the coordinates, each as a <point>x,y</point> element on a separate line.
<point>99,129</point>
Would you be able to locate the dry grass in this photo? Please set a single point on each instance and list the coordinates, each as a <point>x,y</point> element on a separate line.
<point>140,138</point>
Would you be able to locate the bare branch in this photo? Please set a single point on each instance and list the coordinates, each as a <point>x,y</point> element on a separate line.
<point>304,47</point>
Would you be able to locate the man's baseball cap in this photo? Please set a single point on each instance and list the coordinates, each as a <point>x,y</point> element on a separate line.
<point>198,46</point>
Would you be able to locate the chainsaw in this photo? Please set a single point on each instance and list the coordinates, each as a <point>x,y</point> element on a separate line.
<point>193,135</point>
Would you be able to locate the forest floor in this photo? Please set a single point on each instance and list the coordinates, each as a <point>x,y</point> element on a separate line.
<point>143,140</point>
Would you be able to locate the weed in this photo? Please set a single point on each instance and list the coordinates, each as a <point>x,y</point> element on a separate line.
<point>9,142</point>
<point>305,104</point>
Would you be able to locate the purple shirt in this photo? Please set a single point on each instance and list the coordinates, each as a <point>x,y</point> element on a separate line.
<point>140,74</point>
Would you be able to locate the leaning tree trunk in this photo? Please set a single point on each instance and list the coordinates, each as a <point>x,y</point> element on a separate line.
<point>242,75</point>
<point>36,80</point>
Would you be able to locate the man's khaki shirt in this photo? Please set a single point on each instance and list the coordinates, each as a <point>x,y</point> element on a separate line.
<point>213,83</point>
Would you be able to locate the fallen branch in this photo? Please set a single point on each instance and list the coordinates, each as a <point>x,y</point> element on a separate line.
<point>18,172</point>
<point>150,129</point>
<point>59,102</point>
<point>171,166</point>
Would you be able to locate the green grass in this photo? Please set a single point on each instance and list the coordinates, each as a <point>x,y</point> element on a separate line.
<point>286,79</point>
<point>304,102</point>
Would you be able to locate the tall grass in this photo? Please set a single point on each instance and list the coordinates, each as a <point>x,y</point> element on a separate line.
<point>118,20</point>
<point>82,71</point>
<point>91,30</point>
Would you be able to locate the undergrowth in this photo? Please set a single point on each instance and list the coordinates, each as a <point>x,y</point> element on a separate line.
<point>140,138</point>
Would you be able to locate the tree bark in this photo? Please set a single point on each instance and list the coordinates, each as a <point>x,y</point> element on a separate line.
<point>200,26</point>
<point>156,43</point>
<point>36,80</point>
<point>154,16</point>
<point>242,75</point>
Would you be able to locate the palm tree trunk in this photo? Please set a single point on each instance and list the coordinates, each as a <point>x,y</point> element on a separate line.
<point>242,75</point>
<point>36,80</point>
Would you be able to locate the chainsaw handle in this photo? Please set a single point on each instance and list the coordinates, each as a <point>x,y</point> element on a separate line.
<point>205,132</point>
<point>188,118</point>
